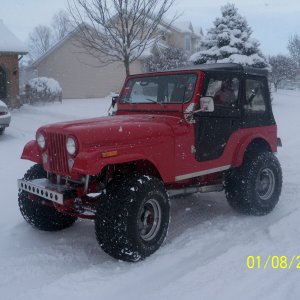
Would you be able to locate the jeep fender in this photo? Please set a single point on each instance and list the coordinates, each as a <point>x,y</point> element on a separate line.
<point>31,152</point>
<point>162,161</point>
<point>246,141</point>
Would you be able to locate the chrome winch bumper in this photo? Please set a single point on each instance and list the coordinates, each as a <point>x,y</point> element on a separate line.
<point>44,189</point>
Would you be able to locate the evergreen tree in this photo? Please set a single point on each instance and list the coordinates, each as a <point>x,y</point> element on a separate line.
<point>230,41</point>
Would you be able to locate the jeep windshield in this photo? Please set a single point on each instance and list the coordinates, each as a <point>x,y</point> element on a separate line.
<point>163,89</point>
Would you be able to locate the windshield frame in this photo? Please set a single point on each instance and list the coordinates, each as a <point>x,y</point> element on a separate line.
<point>135,78</point>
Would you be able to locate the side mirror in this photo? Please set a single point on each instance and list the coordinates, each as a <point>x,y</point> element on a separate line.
<point>114,100</point>
<point>207,104</point>
<point>113,107</point>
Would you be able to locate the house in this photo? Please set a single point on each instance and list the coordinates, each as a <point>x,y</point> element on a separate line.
<point>80,74</point>
<point>10,50</point>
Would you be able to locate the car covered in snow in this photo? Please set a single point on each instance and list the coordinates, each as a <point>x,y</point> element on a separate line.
<point>204,128</point>
<point>5,117</point>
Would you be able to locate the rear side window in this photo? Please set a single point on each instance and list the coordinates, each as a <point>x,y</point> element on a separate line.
<point>255,96</point>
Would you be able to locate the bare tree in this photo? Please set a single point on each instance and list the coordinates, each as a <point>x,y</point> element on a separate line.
<point>61,25</point>
<point>294,48</point>
<point>283,68</point>
<point>119,30</point>
<point>40,41</point>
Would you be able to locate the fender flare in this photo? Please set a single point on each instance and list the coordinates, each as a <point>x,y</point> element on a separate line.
<point>244,144</point>
<point>31,152</point>
<point>92,163</point>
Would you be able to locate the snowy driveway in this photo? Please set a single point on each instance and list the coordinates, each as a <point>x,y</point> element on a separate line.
<point>204,256</point>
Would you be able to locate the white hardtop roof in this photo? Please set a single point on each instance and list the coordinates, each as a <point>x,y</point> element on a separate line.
<point>9,43</point>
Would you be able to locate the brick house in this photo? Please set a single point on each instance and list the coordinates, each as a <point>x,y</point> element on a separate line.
<point>11,49</point>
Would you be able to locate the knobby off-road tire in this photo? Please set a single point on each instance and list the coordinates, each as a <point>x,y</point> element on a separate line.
<point>41,216</point>
<point>255,187</point>
<point>133,218</point>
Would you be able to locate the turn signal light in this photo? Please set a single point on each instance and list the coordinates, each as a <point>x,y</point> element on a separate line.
<point>109,154</point>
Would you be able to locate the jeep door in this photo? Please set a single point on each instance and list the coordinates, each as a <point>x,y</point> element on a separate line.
<point>213,129</point>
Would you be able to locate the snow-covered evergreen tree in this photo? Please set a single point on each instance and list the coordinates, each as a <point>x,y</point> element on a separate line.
<point>166,58</point>
<point>229,40</point>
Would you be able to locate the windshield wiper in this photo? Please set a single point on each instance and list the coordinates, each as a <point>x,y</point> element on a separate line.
<point>153,101</point>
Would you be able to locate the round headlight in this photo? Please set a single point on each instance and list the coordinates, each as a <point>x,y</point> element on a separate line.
<point>71,146</point>
<point>41,140</point>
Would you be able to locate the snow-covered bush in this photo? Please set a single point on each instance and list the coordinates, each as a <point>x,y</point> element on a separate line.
<point>229,40</point>
<point>43,89</point>
<point>166,59</point>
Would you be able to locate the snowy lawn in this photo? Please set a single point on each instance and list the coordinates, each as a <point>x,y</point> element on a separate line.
<point>204,256</point>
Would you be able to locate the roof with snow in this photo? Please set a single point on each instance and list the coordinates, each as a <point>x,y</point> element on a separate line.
<point>187,27</point>
<point>54,47</point>
<point>9,42</point>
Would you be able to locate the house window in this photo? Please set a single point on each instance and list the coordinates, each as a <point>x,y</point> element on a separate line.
<point>187,42</point>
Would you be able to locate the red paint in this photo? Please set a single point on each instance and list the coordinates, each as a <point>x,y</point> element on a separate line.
<point>156,136</point>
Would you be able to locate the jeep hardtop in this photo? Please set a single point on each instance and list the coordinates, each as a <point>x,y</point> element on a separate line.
<point>199,129</point>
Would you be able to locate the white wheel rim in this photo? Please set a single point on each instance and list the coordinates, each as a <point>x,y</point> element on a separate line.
<point>150,220</point>
<point>265,183</point>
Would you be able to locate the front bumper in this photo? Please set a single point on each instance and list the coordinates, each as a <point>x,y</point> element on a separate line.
<point>5,120</point>
<point>45,189</point>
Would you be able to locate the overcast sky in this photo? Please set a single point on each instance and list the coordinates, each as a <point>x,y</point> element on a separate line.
<point>272,21</point>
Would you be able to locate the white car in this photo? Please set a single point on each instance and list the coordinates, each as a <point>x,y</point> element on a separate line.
<point>4,117</point>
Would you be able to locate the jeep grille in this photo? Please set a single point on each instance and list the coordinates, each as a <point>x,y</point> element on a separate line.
<point>57,153</point>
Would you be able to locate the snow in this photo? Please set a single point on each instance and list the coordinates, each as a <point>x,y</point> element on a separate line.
<point>203,257</point>
<point>42,84</point>
<point>9,42</point>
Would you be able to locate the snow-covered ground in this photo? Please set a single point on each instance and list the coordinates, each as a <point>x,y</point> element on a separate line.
<point>203,257</point>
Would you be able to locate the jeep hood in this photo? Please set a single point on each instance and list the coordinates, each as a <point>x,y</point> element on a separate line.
<point>116,130</point>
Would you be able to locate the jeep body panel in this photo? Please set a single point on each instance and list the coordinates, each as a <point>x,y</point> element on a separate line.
<point>160,134</point>
<point>161,145</point>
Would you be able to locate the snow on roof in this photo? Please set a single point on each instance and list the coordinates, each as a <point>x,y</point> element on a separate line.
<point>186,26</point>
<point>9,42</point>
<point>54,47</point>
<point>183,26</point>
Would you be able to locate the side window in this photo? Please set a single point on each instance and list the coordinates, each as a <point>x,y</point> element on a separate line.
<point>255,96</point>
<point>224,91</point>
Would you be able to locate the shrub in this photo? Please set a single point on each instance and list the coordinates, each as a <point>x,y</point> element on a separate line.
<point>43,89</point>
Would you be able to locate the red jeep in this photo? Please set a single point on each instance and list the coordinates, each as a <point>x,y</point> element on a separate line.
<point>201,129</point>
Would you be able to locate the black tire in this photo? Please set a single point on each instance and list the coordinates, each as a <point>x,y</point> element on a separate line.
<point>2,131</point>
<point>41,216</point>
<point>255,188</point>
<point>125,226</point>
